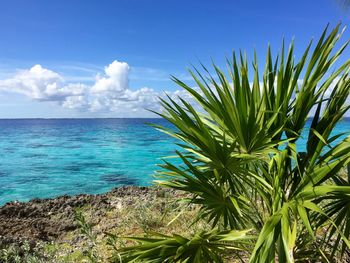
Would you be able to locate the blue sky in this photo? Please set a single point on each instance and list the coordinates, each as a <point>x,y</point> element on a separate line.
<point>73,44</point>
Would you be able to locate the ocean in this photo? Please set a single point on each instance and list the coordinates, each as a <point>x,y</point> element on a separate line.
<point>42,158</point>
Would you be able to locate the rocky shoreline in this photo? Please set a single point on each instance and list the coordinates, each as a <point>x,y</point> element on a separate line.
<point>51,219</point>
<point>47,230</point>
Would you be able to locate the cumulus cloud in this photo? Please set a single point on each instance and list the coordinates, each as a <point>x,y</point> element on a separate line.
<point>110,91</point>
<point>115,79</point>
<point>39,83</point>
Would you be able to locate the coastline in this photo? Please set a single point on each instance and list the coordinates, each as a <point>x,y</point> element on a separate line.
<point>47,229</point>
<point>126,211</point>
<point>47,219</point>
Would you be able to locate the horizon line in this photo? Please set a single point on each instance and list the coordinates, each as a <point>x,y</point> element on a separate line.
<point>96,118</point>
<point>77,118</point>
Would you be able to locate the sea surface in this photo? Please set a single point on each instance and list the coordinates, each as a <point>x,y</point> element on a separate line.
<point>41,158</point>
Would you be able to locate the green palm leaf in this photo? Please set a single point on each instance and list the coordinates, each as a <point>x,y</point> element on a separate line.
<point>240,161</point>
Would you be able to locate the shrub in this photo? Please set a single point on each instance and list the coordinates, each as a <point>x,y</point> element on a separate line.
<point>261,192</point>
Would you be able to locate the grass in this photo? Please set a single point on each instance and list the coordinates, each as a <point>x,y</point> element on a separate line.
<point>159,211</point>
<point>248,188</point>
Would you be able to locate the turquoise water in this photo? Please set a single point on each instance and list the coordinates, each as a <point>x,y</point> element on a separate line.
<point>50,157</point>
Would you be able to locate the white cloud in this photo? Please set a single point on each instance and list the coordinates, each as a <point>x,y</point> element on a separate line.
<point>36,83</point>
<point>110,91</point>
<point>115,79</point>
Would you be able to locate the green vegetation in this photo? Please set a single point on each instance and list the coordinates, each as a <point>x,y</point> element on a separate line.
<point>132,211</point>
<point>263,197</point>
<point>244,191</point>
<point>21,253</point>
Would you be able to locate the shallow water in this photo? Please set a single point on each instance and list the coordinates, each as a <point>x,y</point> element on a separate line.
<point>50,157</point>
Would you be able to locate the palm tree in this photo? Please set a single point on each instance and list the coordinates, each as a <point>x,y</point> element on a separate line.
<point>242,165</point>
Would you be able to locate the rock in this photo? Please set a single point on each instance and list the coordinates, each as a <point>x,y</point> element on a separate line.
<point>51,219</point>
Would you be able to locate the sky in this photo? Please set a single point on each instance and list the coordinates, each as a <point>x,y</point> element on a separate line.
<point>90,59</point>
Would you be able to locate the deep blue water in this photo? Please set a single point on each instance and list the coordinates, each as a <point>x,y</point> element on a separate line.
<point>50,157</point>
